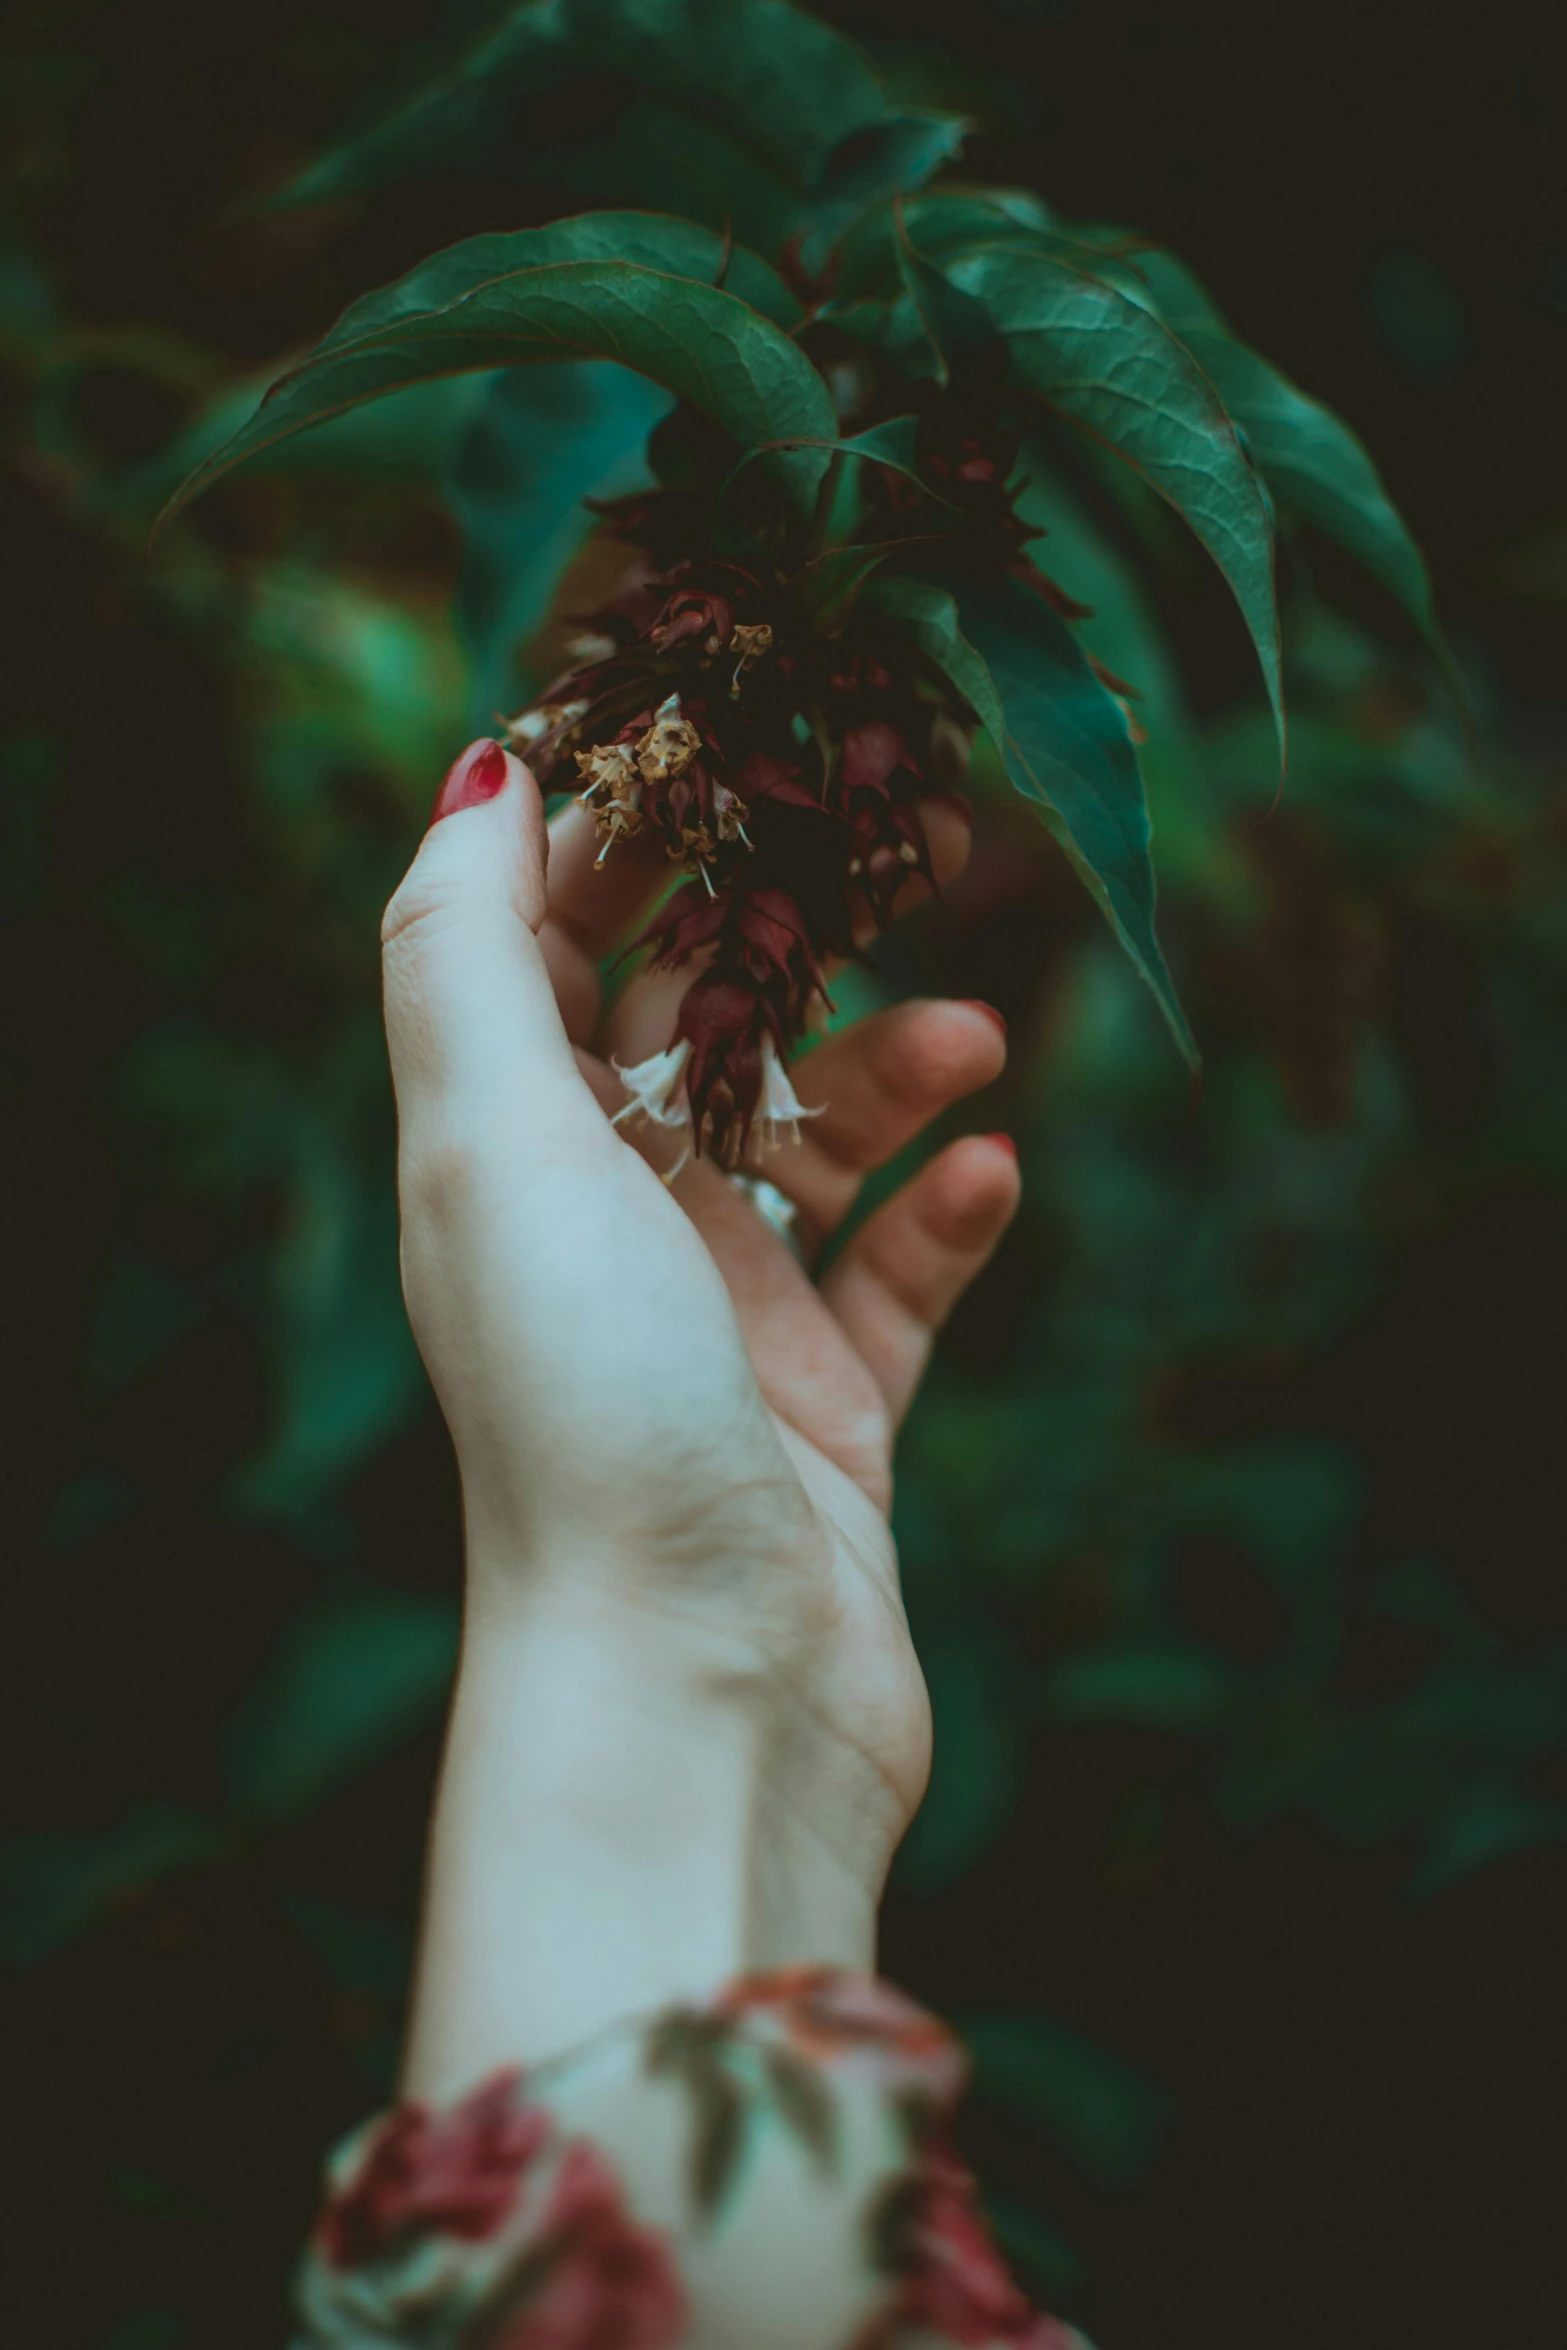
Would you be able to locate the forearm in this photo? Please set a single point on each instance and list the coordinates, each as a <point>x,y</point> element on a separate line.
<point>616,1828</point>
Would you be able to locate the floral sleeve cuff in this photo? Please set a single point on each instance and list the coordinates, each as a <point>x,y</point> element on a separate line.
<point>767,2172</point>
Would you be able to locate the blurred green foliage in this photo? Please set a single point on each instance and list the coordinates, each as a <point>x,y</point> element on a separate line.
<point>1231,1515</point>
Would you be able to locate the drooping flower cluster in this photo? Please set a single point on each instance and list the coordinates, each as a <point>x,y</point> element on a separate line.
<point>781,768</point>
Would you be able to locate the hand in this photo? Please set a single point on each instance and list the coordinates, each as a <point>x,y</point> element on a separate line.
<point>675,1448</point>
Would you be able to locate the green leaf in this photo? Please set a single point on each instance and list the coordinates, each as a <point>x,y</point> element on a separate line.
<point>704,345</point>
<point>930,616</point>
<point>545,439</point>
<point>893,444</point>
<point>1102,2113</point>
<point>1170,1688</point>
<point>1309,457</point>
<point>751,99</point>
<point>944,223</point>
<point>346,1368</point>
<point>355,1675</point>
<point>875,163</point>
<point>1065,743</point>
<point>1485,1824</point>
<point>956,328</point>
<point>653,240</point>
<point>1109,364</point>
<point>827,587</point>
<point>54,1887</point>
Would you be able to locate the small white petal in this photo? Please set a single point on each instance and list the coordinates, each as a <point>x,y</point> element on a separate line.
<point>657,1088</point>
<point>781,1107</point>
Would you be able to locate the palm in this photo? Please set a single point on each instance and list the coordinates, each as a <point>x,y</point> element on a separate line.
<point>835,1365</point>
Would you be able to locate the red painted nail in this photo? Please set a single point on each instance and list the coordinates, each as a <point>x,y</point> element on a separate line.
<point>973,1003</point>
<point>477,776</point>
<point>1005,1141</point>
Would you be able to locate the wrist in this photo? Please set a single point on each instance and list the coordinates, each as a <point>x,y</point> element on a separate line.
<point>628,1815</point>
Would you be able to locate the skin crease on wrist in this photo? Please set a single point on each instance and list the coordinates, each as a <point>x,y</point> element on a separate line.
<point>689,1728</point>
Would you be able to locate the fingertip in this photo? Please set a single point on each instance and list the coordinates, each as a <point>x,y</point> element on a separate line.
<point>975,1191</point>
<point>486,837</point>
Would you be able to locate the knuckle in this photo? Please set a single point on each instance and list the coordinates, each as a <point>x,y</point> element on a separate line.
<point>419,904</point>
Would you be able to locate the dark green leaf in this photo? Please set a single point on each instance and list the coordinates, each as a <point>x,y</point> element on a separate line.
<point>764,95</point>
<point>1101,2112</point>
<point>1105,361</point>
<point>930,616</point>
<point>881,160</point>
<point>346,1368</point>
<point>545,439</point>
<point>826,589</point>
<point>404,439</point>
<point>54,1887</point>
<point>956,328</point>
<point>355,1676</point>
<point>1485,1824</point>
<point>653,240</point>
<point>893,444</point>
<point>1066,745</point>
<point>704,345</point>
<point>1174,1688</point>
<point>804,2098</point>
<point>1309,457</point>
<point>942,224</point>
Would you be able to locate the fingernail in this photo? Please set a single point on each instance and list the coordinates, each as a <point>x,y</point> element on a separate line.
<point>477,776</point>
<point>1005,1141</point>
<point>973,1004</point>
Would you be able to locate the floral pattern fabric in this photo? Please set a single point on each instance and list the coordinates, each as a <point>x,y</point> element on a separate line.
<point>766,2172</point>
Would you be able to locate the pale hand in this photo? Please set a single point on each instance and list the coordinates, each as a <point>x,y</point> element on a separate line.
<point>690,1726</point>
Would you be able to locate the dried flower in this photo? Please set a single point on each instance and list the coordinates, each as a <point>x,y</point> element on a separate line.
<point>750,640</point>
<point>669,745</point>
<point>531,726</point>
<point>618,820</point>
<point>729,815</point>
<point>609,767</point>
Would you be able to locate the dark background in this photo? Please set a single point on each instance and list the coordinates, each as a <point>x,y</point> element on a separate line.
<point>1233,1518</point>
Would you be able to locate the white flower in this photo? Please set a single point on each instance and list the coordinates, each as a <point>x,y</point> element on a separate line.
<point>657,1088</point>
<point>781,1107</point>
<point>658,1096</point>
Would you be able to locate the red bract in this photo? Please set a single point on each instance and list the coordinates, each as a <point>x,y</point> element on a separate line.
<point>610,2285</point>
<point>765,778</point>
<point>872,755</point>
<point>727,1021</point>
<point>457,2173</point>
<point>691,613</point>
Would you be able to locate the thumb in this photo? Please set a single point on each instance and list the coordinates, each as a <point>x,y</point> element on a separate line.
<point>472,1027</point>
